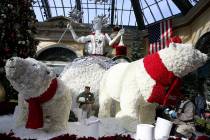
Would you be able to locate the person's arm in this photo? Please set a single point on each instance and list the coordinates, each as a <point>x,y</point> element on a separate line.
<point>188,113</point>
<point>80,95</point>
<point>82,39</point>
<point>119,34</point>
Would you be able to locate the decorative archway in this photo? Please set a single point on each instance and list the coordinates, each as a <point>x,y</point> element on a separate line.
<point>56,52</point>
<point>198,81</point>
<point>203,44</point>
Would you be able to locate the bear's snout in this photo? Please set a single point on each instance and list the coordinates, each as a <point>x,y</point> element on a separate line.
<point>11,59</point>
<point>14,67</point>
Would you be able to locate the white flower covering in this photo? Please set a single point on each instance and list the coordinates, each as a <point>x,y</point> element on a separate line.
<point>182,58</point>
<point>107,127</point>
<point>31,78</point>
<point>86,71</point>
<point>130,84</point>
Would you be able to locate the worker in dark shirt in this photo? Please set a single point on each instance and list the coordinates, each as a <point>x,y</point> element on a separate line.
<point>86,100</point>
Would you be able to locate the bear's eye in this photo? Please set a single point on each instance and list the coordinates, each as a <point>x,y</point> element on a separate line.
<point>34,65</point>
<point>47,72</point>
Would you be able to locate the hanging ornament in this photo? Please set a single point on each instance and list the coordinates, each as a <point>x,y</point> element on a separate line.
<point>29,31</point>
<point>100,1</point>
<point>3,15</point>
<point>75,15</point>
<point>27,42</point>
<point>21,42</point>
<point>10,6</point>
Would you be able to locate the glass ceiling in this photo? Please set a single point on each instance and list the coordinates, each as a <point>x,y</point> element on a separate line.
<point>123,13</point>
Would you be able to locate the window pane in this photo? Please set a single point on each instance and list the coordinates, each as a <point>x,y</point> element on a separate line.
<point>174,8</point>
<point>66,3</point>
<point>165,9</point>
<point>60,11</point>
<point>38,14</point>
<point>150,2</point>
<point>148,15</point>
<point>58,3</point>
<point>156,12</point>
<point>143,4</point>
<point>53,11</point>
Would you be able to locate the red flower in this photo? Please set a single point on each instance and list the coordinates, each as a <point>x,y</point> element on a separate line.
<point>175,39</point>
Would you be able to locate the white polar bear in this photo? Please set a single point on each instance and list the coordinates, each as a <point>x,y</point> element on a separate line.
<point>132,86</point>
<point>85,71</point>
<point>41,95</point>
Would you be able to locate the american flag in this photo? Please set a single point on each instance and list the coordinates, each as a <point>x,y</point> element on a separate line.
<point>159,34</point>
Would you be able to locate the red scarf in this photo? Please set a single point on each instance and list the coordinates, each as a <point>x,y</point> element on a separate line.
<point>35,115</point>
<point>166,89</point>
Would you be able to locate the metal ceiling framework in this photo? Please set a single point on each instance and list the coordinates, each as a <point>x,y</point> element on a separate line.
<point>78,5</point>
<point>183,5</point>
<point>121,12</point>
<point>138,13</point>
<point>46,7</point>
<point>112,12</point>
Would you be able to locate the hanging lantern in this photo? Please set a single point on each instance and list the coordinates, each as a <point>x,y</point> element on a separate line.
<point>121,49</point>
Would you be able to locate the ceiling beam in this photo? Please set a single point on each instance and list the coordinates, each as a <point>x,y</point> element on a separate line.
<point>183,5</point>
<point>112,13</point>
<point>46,7</point>
<point>78,6</point>
<point>138,13</point>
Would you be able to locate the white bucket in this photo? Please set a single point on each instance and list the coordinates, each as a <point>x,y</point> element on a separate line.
<point>93,127</point>
<point>162,129</point>
<point>145,132</point>
<point>81,114</point>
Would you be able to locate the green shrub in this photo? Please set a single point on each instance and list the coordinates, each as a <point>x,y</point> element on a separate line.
<point>200,124</point>
<point>207,128</point>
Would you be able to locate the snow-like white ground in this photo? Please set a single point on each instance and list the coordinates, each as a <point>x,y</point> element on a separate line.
<point>107,127</point>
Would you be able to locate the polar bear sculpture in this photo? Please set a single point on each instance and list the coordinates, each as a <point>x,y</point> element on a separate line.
<point>44,101</point>
<point>133,86</point>
<point>85,71</point>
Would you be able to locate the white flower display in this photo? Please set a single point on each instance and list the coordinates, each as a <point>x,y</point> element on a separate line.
<point>31,79</point>
<point>86,71</point>
<point>131,85</point>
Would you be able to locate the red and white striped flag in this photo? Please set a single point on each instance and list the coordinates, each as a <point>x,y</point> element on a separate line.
<point>159,34</point>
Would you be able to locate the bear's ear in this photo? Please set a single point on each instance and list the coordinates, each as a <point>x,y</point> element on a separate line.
<point>50,72</point>
<point>30,59</point>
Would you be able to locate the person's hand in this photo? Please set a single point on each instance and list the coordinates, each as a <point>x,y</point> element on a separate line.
<point>121,32</point>
<point>166,111</point>
<point>69,26</point>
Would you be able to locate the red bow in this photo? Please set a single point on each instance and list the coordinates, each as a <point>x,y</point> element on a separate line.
<point>35,115</point>
<point>166,89</point>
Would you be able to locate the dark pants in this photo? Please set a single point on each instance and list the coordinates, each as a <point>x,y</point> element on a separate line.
<point>200,112</point>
